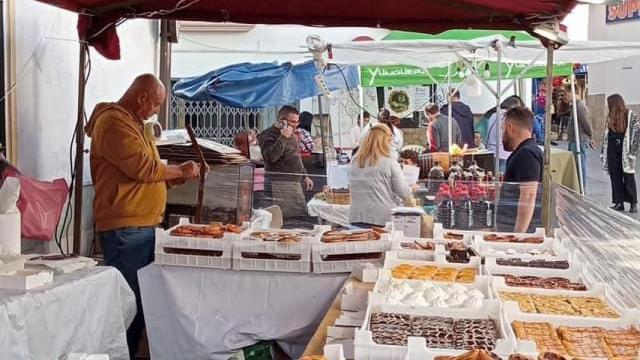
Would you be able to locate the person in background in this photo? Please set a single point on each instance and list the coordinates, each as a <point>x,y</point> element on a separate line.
<point>493,142</point>
<point>619,151</point>
<point>409,157</point>
<point>130,184</point>
<point>397,140</point>
<point>356,131</point>
<point>377,181</point>
<point>584,130</point>
<point>463,115</point>
<point>284,170</point>
<point>517,210</point>
<point>303,132</point>
<point>438,130</point>
<point>477,141</point>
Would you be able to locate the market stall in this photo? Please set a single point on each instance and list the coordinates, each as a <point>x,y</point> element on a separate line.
<point>259,248</point>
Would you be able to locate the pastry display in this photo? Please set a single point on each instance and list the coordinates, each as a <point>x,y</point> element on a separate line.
<point>418,245</point>
<point>278,236</point>
<point>561,305</point>
<point>453,236</point>
<point>459,253</point>
<point>537,263</point>
<point>429,294</point>
<point>337,236</point>
<point>476,354</point>
<point>543,283</point>
<point>520,357</point>
<point>543,334</point>
<point>434,273</point>
<point>205,231</point>
<point>270,256</point>
<point>313,357</point>
<point>195,252</point>
<point>339,196</point>
<point>579,342</point>
<point>439,332</point>
<point>518,252</point>
<point>356,256</point>
<point>514,239</point>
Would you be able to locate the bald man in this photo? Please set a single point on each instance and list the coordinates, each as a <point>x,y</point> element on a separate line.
<point>130,183</point>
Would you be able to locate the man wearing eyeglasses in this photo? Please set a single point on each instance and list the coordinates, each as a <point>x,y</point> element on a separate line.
<point>284,171</point>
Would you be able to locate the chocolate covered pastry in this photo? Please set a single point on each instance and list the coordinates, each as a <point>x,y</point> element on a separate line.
<point>439,332</point>
<point>539,263</point>
<point>514,239</point>
<point>543,283</point>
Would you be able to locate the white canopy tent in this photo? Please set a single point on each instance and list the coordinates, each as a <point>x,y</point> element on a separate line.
<point>436,53</point>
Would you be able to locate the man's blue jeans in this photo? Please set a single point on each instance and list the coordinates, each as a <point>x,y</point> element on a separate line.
<point>584,147</point>
<point>130,249</point>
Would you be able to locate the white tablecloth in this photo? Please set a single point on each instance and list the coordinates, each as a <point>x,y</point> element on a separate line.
<point>84,312</point>
<point>195,313</point>
<point>337,214</point>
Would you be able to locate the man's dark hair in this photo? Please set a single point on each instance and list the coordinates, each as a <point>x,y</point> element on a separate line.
<point>286,111</point>
<point>306,119</point>
<point>521,116</point>
<point>511,101</point>
<point>455,93</point>
<point>366,114</point>
<point>409,154</point>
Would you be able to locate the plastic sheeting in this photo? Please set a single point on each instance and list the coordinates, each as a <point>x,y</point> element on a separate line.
<point>263,85</point>
<point>201,314</point>
<point>609,241</point>
<point>87,311</point>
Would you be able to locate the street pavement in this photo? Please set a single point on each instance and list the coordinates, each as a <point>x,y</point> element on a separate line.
<point>598,184</point>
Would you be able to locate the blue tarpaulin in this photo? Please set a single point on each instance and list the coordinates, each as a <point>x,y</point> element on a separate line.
<point>262,85</point>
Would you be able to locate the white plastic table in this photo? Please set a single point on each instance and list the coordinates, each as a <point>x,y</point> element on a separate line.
<point>336,214</point>
<point>200,313</point>
<point>87,311</point>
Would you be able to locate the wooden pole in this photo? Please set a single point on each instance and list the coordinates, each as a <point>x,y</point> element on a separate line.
<point>79,161</point>
<point>203,172</point>
<point>546,178</point>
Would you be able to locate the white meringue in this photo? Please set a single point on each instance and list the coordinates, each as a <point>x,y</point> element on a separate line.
<point>440,303</point>
<point>414,299</point>
<point>473,303</point>
<point>456,300</point>
<point>476,294</point>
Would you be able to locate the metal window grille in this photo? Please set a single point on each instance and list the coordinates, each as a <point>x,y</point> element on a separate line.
<point>215,121</point>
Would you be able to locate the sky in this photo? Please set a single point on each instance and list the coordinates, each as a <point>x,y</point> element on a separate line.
<point>578,23</point>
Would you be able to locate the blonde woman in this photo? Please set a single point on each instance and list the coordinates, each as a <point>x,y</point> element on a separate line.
<point>377,183</point>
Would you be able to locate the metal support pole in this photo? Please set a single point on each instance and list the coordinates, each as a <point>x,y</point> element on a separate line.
<point>576,128</point>
<point>322,132</point>
<point>79,161</point>
<point>546,176</point>
<point>165,71</point>
<point>449,107</point>
<point>498,112</point>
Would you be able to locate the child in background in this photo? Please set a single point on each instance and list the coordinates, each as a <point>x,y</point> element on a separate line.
<point>477,141</point>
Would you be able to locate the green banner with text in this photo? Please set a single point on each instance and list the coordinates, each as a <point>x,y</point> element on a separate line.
<point>403,75</point>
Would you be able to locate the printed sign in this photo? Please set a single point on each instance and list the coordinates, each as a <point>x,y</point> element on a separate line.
<point>625,10</point>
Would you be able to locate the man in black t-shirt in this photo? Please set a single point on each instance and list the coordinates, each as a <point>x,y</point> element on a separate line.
<point>519,205</point>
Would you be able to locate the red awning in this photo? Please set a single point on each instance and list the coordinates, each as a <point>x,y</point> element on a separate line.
<point>429,16</point>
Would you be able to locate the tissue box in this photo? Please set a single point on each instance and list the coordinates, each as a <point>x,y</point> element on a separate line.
<point>10,233</point>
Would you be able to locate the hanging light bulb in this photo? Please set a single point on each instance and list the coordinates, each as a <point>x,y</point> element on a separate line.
<point>487,71</point>
<point>474,88</point>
